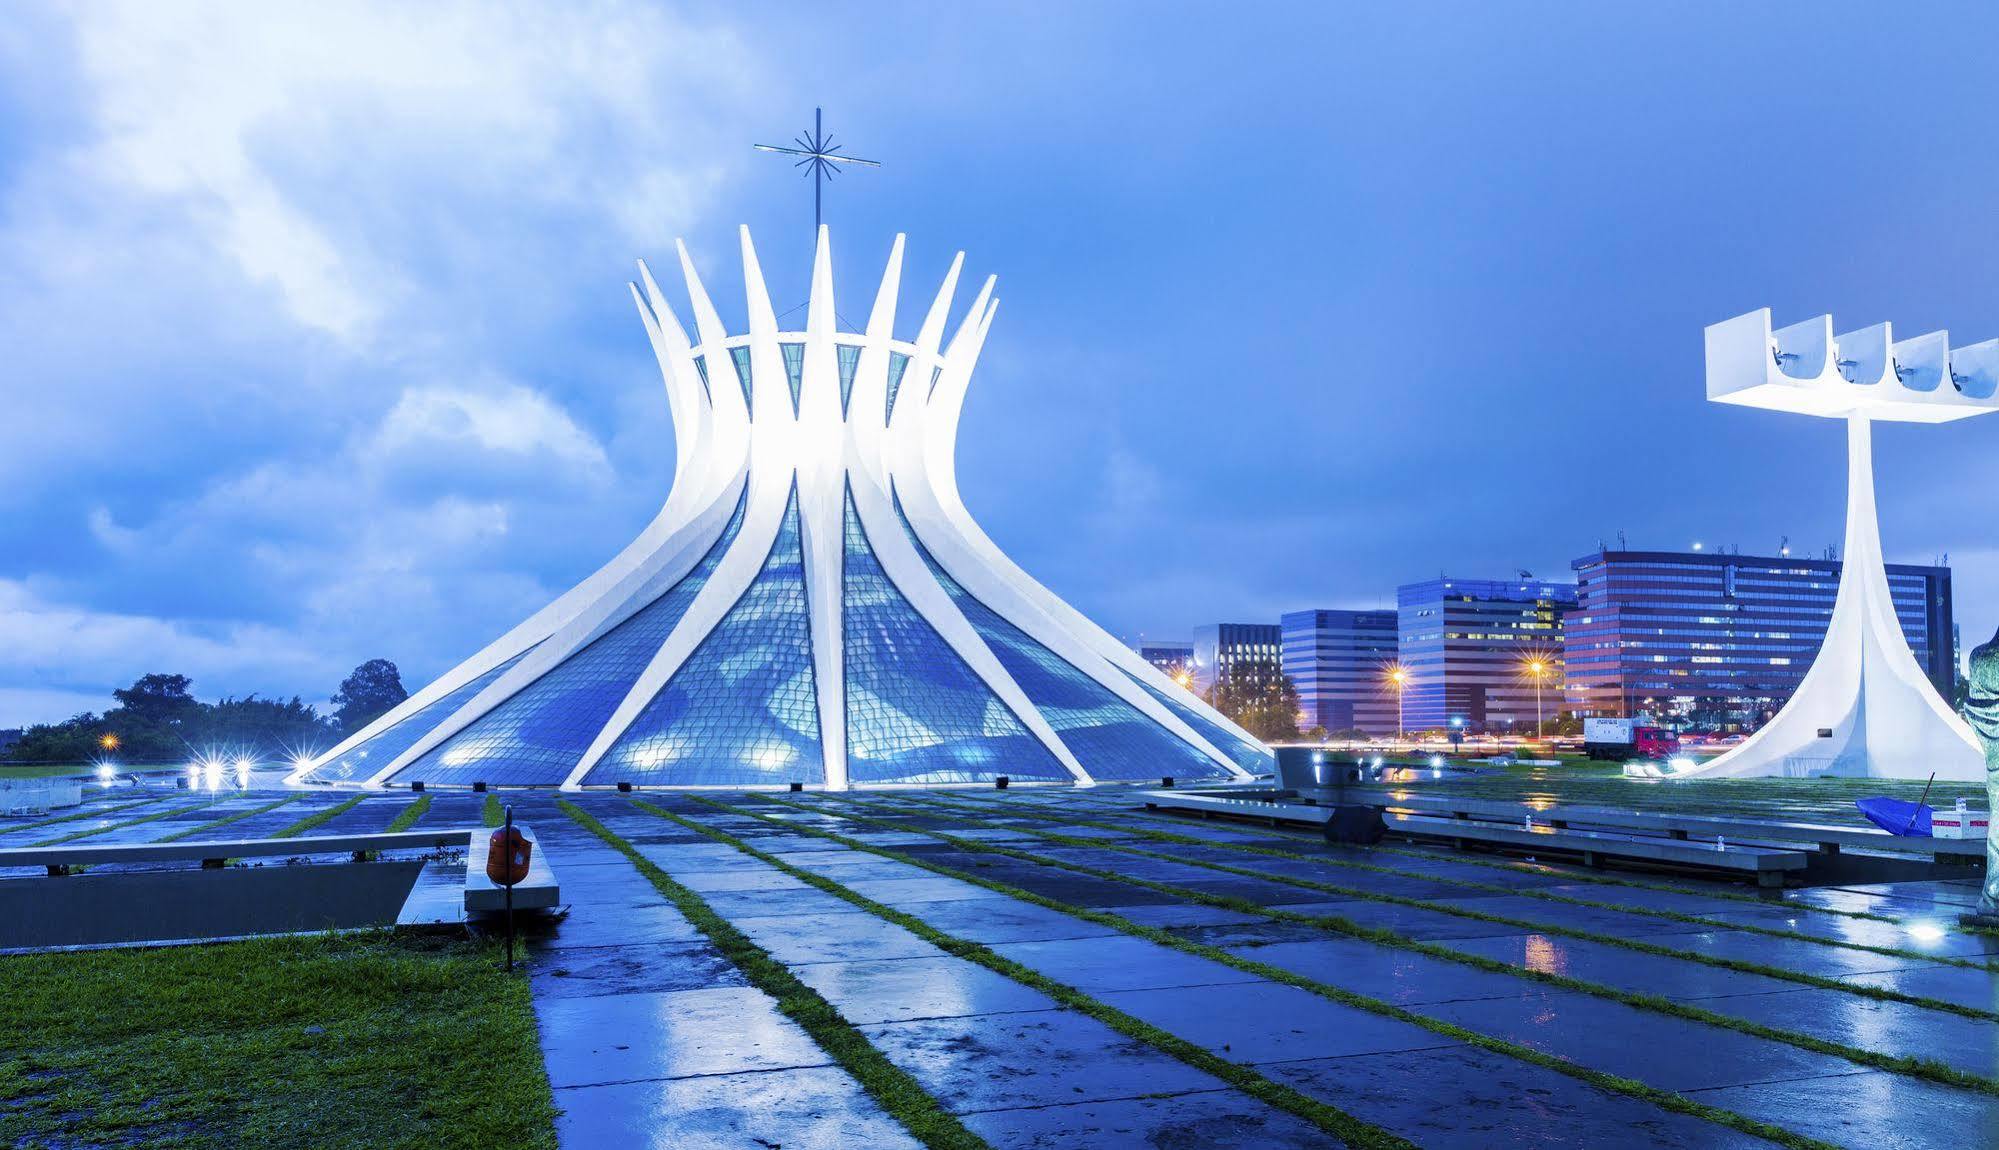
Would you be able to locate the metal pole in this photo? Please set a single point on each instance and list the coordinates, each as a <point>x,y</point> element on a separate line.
<point>818,170</point>
<point>510,888</point>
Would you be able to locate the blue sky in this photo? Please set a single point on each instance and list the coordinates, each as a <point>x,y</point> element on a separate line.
<point>317,346</point>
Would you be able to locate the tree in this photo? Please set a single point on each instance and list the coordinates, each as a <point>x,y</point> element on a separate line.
<point>370,692</point>
<point>160,700</point>
<point>1259,698</point>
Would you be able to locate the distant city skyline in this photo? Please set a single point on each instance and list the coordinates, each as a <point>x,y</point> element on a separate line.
<point>320,353</point>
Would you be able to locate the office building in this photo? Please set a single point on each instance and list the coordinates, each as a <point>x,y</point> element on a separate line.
<point>1176,660</point>
<point>1471,648</point>
<point>1719,641</point>
<point>1248,653</point>
<point>1338,661</point>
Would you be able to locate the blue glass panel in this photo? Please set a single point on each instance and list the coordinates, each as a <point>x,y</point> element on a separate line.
<point>794,369</point>
<point>742,357</point>
<point>1110,737</point>
<point>1250,756</point>
<point>936,373</point>
<point>915,712</point>
<point>701,365</point>
<point>538,735</point>
<point>850,361</point>
<point>364,760</point>
<point>742,711</point>
<point>897,364</point>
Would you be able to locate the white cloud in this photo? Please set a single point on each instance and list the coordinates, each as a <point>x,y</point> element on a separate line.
<point>511,420</point>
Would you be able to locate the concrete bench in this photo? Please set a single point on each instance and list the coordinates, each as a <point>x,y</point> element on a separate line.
<point>212,853</point>
<point>1496,824</point>
<point>1767,865</point>
<point>1823,837</point>
<point>538,891</point>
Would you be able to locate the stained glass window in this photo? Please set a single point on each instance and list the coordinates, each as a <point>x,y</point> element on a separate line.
<point>363,761</point>
<point>897,364</point>
<point>1247,755</point>
<point>742,711</point>
<point>701,366</point>
<point>794,369</point>
<point>916,713</point>
<point>850,362</point>
<point>742,357</point>
<point>1110,737</point>
<point>537,737</point>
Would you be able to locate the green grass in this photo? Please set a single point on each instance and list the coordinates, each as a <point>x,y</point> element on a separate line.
<point>337,1041</point>
<point>45,770</point>
<point>493,813</point>
<point>407,817</point>
<point>318,819</point>
<point>1350,1130</point>
<point>1665,1099</point>
<point>900,1095</point>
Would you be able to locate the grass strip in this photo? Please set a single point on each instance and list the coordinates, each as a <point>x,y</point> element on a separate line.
<point>1350,1130</point>
<point>1745,966</point>
<point>318,819</point>
<point>899,1094</point>
<point>131,822</point>
<point>407,818</point>
<point>225,820</point>
<point>1630,1087</point>
<point>1510,866</point>
<point>78,816</point>
<point>1924,1068</point>
<point>492,814</point>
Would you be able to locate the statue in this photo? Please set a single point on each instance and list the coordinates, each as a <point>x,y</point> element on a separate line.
<point>1982,709</point>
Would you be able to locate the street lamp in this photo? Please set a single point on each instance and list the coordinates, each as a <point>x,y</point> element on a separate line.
<point>1536,667</point>
<point>1398,681</point>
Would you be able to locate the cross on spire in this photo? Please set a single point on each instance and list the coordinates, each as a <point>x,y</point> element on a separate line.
<point>819,155</point>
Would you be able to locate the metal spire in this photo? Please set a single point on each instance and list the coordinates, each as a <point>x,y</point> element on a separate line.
<point>819,154</point>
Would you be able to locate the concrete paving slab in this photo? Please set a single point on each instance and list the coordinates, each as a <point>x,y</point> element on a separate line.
<point>674,1034</point>
<point>587,972</point>
<point>796,940</point>
<point>1262,1022</point>
<point>1630,970</point>
<point>1674,1054</point>
<point>1385,973</point>
<point>1209,1119</point>
<point>1120,962</point>
<point>901,989</point>
<point>1473,1099</point>
<point>1873,1109</point>
<point>1010,1061</point>
<point>806,1109</point>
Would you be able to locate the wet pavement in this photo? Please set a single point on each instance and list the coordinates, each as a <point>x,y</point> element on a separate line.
<point>653,1037</point>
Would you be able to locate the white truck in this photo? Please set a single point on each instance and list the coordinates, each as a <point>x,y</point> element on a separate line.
<point>1623,739</point>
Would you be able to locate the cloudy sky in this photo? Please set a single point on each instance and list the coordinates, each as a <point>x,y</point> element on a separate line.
<point>315,345</point>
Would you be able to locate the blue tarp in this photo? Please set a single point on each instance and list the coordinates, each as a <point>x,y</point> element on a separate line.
<point>1896,816</point>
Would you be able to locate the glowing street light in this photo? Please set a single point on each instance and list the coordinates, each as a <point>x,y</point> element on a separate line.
<point>108,742</point>
<point>1396,678</point>
<point>1536,667</point>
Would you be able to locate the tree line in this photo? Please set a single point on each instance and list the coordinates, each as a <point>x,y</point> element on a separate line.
<point>158,720</point>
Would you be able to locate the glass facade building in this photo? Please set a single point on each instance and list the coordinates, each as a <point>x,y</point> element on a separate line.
<point>813,606</point>
<point>1467,646</point>
<point>1338,661</point>
<point>1720,641</point>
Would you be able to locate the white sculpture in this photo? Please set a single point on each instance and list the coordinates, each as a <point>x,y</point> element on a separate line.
<point>813,605</point>
<point>1865,708</point>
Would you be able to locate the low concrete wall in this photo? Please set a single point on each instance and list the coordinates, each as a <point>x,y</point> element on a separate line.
<point>40,794</point>
<point>162,905</point>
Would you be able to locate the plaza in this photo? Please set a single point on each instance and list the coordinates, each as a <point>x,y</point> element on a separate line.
<point>1042,968</point>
